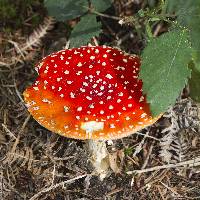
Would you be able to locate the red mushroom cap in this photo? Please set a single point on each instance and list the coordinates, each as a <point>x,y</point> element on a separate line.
<point>89,86</point>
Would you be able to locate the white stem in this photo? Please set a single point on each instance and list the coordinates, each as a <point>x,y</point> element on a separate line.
<point>97,148</point>
<point>99,157</point>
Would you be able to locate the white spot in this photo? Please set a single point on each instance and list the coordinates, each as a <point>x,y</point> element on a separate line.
<point>112,126</point>
<point>45,82</point>
<point>100,102</point>
<point>58,79</point>
<point>78,117</point>
<point>89,98</point>
<point>90,76</point>
<point>67,63</point>
<point>79,73</point>
<point>109,97</point>
<point>79,108</point>
<point>69,82</point>
<point>109,76</point>
<point>36,108</point>
<point>66,127</point>
<point>72,95</point>
<point>111,107</point>
<point>62,95</point>
<point>85,84</point>
<point>66,109</point>
<point>102,112</point>
<point>96,51</point>
<point>82,90</point>
<point>94,86</point>
<point>97,72</point>
<point>45,71</point>
<point>90,66</point>
<point>100,93</point>
<point>123,108</point>
<point>126,82</point>
<point>120,94</point>
<point>119,67</point>
<point>125,60</point>
<point>130,97</point>
<point>66,72</point>
<point>130,105</point>
<point>122,76</point>
<point>99,80</point>
<point>59,89</point>
<point>79,64</point>
<point>53,87</point>
<point>92,57</point>
<point>88,51</point>
<point>105,56</point>
<point>102,87</point>
<point>127,118</point>
<point>119,113</point>
<point>119,100</point>
<point>91,106</point>
<point>110,91</point>
<point>61,57</point>
<point>131,126</point>
<point>37,82</point>
<point>141,99</point>
<point>143,115</point>
<point>76,52</point>
<point>35,88</point>
<point>103,64</point>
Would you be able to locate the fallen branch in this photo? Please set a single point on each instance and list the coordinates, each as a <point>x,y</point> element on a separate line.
<point>56,185</point>
<point>189,163</point>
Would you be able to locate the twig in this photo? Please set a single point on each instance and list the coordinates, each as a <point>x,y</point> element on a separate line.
<point>189,163</point>
<point>56,185</point>
<point>139,147</point>
<point>148,155</point>
<point>172,190</point>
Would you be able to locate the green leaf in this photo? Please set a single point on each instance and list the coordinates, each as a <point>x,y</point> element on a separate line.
<point>101,5</point>
<point>188,15</point>
<point>164,69</point>
<point>194,85</point>
<point>66,9</point>
<point>85,30</point>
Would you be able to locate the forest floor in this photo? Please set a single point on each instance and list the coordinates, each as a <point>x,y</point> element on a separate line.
<point>159,162</point>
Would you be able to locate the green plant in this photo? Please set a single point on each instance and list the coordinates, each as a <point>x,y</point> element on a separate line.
<point>165,67</point>
<point>88,26</point>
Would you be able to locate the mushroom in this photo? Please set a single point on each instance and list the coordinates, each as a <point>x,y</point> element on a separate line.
<point>91,93</point>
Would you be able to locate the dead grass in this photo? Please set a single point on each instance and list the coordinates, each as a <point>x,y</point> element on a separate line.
<point>161,162</point>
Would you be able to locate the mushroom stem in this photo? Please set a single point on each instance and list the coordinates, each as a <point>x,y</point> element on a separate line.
<point>99,157</point>
<point>97,148</point>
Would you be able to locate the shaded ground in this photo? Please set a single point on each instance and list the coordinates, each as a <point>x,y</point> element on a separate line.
<point>37,164</point>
